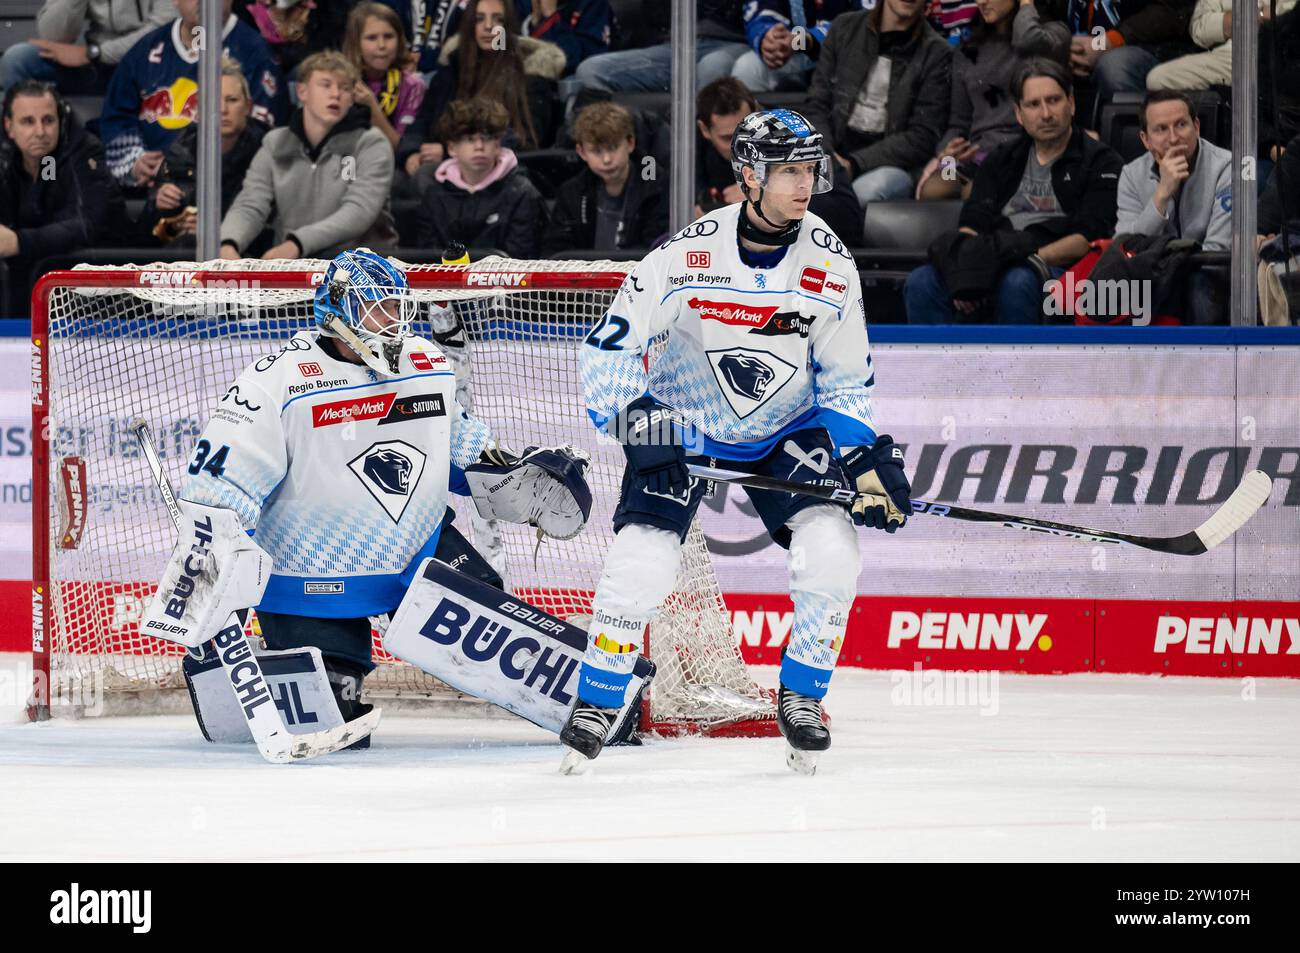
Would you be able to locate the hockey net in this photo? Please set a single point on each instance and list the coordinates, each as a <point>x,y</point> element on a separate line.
<point>164,342</point>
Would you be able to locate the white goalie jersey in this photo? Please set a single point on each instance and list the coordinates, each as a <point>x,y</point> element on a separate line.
<point>751,353</point>
<point>342,475</point>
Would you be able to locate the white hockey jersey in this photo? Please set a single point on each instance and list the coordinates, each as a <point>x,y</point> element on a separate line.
<point>751,353</point>
<point>340,474</point>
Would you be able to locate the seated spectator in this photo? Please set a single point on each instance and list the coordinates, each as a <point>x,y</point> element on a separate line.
<point>154,93</point>
<point>1280,203</point>
<point>653,135</point>
<point>325,176</point>
<point>1182,188</point>
<point>521,76</point>
<point>880,96</point>
<point>479,196</point>
<point>59,56</point>
<point>786,38</point>
<point>578,27</point>
<point>982,116</point>
<point>719,42</point>
<point>171,213</point>
<point>719,109</point>
<point>611,204</point>
<point>377,48</point>
<point>1115,43</point>
<point>1279,121</point>
<point>295,29</point>
<point>1212,31</point>
<point>1036,204</point>
<point>55,192</point>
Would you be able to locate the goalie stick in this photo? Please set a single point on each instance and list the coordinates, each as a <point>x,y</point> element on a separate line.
<point>1248,497</point>
<point>276,743</point>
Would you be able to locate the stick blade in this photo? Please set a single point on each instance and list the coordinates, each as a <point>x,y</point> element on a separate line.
<point>303,747</point>
<point>1248,497</point>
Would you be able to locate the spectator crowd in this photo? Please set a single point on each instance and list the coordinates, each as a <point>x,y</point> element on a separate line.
<point>538,128</point>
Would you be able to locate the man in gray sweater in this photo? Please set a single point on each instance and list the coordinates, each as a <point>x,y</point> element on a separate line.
<point>324,177</point>
<point>59,55</point>
<point>1181,188</point>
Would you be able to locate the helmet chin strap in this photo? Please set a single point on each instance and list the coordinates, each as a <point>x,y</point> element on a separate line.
<point>786,234</point>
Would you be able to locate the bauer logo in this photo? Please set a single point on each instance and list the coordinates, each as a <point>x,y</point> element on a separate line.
<point>1245,635</point>
<point>697,259</point>
<point>496,279</point>
<point>310,369</point>
<point>322,588</point>
<point>77,906</point>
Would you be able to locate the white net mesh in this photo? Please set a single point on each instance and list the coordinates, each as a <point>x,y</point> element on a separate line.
<point>167,351</point>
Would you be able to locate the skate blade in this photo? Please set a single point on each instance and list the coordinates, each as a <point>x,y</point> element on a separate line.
<point>574,762</point>
<point>802,762</point>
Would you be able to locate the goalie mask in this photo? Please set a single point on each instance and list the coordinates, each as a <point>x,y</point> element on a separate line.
<point>766,141</point>
<point>365,302</point>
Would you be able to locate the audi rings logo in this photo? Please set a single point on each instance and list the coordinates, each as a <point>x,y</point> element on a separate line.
<point>700,229</point>
<point>824,239</point>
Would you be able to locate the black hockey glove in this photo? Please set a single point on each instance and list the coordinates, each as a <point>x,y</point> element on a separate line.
<point>876,472</point>
<point>654,449</point>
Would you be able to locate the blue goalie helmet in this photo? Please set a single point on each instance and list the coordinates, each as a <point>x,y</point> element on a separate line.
<point>370,296</point>
<point>773,137</point>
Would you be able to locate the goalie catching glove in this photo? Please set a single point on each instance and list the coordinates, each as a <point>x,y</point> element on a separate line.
<point>215,569</point>
<point>884,493</point>
<point>546,487</point>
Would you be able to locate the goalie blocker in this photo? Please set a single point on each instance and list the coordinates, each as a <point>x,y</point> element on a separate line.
<point>500,649</point>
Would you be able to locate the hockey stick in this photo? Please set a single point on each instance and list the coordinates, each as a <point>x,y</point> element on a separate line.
<point>276,743</point>
<point>1248,497</point>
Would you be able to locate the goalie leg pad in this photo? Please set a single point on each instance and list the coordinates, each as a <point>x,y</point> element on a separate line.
<point>297,678</point>
<point>493,646</point>
<point>545,488</point>
<point>824,564</point>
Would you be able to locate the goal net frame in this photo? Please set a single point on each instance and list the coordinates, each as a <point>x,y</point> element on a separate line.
<point>702,685</point>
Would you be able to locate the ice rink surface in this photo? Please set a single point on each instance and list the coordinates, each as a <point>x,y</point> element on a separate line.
<point>1069,768</point>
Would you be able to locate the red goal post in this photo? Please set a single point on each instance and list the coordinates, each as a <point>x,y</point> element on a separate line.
<point>164,341</point>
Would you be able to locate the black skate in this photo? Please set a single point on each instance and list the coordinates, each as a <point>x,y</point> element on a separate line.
<point>584,734</point>
<point>800,720</point>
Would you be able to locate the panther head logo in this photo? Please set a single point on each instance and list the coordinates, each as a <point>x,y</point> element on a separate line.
<point>746,375</point>
<point>389,470</point>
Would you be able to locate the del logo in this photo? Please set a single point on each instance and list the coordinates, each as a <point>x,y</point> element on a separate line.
<point>731,313</point>
<point>390,472</point>
<point>310,369</point>
<point>497,279</point>
<point>968,630</point>
<point>697,259</point>
<point>825,283</point>
<point>426,362</point>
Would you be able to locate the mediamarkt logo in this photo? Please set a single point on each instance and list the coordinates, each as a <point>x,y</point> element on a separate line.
<point>356,408</point>
<point>968,630</point>
<point>1246,635</point>
<point>729,312</point>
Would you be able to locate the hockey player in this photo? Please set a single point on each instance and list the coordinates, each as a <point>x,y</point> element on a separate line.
<point>765,368</point>
<point>336,454</point>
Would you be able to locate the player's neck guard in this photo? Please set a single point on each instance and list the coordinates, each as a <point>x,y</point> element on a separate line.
<point>785,235</point>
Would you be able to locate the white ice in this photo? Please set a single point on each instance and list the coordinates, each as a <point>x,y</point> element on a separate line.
<point>1080,767</point>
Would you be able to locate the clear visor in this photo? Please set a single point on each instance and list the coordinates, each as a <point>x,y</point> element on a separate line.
<point>795,178</point>
<point>388,319</point>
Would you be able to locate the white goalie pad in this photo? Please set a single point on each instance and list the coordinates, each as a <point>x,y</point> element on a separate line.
<point>215,569</point>
<point>493,646</point>
<point>546,488</point>
<point>298,684</point>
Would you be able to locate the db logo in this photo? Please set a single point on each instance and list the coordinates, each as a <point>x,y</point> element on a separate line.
<point>697,259</point>
<point>310,369</point>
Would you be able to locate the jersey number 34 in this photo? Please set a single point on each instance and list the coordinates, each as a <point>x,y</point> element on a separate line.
<point>205,459</point>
